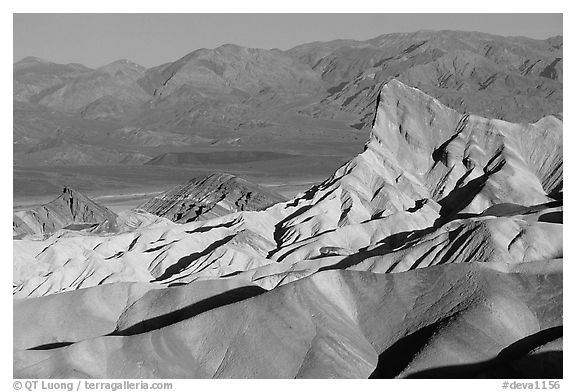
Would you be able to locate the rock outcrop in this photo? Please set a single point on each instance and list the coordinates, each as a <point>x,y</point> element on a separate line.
<point>70,209</point>
<point>210,196</point>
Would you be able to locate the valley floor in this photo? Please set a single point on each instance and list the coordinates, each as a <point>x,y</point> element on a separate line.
<point>39,185</point>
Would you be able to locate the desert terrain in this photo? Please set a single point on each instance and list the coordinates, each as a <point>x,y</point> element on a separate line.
<point>388,208</point>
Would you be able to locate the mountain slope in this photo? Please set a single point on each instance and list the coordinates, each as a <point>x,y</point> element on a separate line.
<point>335,324</point>
<point>232,69</point>
<point>511,78</point>
<point>71,207</point>
<point>33,75</point>
<point>210,196</point>
<point>117,81</point>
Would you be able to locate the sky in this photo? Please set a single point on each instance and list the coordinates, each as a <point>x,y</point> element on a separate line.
<point>153,39</point>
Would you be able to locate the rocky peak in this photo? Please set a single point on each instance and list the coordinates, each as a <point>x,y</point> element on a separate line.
<point>71,207</point>
<point>448,151</point>
<point>122,64</point>
<point>210,195</point>
<point>31,60</point>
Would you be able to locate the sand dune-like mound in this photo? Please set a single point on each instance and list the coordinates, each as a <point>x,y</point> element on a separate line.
<point>333,324</point>
<point>158,251</point>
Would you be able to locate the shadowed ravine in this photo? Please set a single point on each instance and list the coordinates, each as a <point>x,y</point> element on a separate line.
<point>394,360</point>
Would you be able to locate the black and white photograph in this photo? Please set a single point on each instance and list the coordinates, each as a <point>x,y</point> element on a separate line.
<point>287,196</point>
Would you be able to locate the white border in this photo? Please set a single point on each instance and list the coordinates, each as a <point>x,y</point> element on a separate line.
<point>301,6</point>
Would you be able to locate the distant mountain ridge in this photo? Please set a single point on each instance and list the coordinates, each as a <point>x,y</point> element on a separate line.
<point>510,78</point>
<point>239,70</point>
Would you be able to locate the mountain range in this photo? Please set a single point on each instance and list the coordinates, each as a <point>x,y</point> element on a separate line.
<point>233,97</point>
